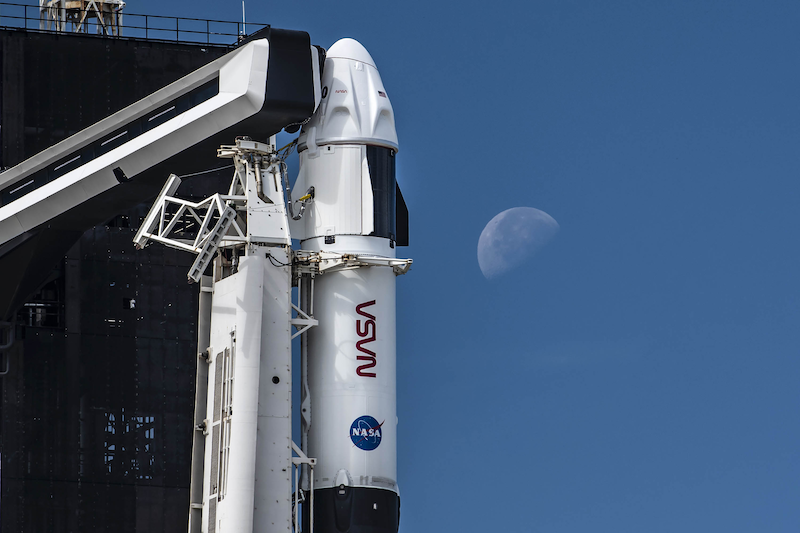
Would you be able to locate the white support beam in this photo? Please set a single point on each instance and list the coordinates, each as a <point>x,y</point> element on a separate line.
<point>303,323</point>
<point>321,262</point>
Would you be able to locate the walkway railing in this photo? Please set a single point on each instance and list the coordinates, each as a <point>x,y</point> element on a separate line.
<point>135,26</point>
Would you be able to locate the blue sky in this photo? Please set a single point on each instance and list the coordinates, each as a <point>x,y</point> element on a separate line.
<point>641,372</point>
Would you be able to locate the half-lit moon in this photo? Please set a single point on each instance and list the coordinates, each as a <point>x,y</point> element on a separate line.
<point>512,237</point>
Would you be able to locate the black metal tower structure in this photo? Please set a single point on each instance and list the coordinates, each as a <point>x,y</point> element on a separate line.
<point>96,421</point>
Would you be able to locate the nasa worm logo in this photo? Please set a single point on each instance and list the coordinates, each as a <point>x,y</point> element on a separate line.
<point>365,432</point>
<point>367,334</point>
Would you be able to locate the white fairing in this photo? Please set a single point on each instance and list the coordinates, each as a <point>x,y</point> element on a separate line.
<point>355,107</point>
<point>349,384</point>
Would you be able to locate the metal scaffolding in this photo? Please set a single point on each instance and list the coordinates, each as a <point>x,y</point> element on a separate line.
<point>104,15</point>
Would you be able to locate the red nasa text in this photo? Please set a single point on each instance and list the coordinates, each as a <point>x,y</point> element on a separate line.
<point>368,335</point>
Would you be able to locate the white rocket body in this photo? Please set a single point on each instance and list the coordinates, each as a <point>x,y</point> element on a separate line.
<point>352,376</point>
<point>347,154</point>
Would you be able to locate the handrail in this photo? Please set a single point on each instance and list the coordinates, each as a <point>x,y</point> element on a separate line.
<point>136,26</point>
<point>9,327</point>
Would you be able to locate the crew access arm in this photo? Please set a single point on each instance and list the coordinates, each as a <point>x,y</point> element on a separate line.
<point>270,82</point>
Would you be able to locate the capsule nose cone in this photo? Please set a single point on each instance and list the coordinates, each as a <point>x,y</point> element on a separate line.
<point>350,49</point>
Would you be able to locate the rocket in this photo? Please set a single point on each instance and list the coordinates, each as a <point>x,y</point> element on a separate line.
<point>349,418</point>
<point>350,222</point>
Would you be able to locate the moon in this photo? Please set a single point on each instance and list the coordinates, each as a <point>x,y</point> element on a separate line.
<point>512,237</point>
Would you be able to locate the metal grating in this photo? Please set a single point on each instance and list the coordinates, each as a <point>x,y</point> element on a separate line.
<point>214,461</point>
<point>218,382</point>
<point>212,516</point>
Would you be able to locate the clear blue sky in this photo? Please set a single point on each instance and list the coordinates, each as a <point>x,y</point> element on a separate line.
<point>641,374</point>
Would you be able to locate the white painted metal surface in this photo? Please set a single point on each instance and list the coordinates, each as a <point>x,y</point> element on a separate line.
<point>341,206</point>
<point>248,466</point>
<point>352,373</point>
<point>196,494</point>
<point>355,108</point>
<point>247,473</point>
<point>354,112</point>
<point>250,334</point>
<point>259,180</point>
<point>352,424</point>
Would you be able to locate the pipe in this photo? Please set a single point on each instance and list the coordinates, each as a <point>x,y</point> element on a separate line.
<point>259,182</point>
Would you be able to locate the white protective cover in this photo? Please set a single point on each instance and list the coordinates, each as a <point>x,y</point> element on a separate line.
<point>355,108</point>
<point>353,307</point>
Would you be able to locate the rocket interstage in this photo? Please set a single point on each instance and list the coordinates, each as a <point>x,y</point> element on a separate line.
<point>347,153</point>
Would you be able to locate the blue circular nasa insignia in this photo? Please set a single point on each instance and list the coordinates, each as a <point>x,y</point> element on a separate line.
<point>365,432</point>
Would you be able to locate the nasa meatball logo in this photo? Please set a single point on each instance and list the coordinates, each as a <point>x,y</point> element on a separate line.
<point>365,432</point>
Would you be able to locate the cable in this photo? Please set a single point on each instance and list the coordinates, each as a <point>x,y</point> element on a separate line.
<point>206,171</point>
<point>287,150</point>
<point>275,262</point>
<point>289,146</point>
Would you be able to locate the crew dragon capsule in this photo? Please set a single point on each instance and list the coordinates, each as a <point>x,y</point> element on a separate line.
<point>347,154</point>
